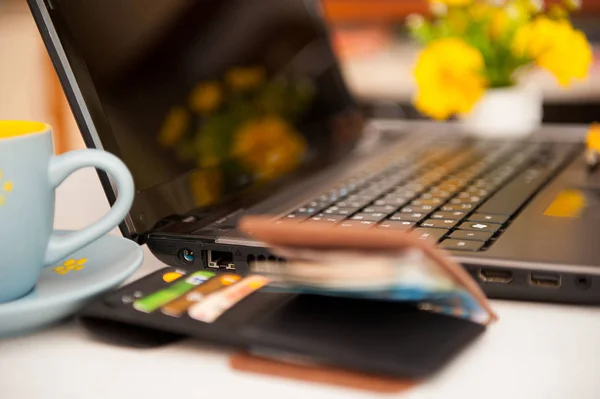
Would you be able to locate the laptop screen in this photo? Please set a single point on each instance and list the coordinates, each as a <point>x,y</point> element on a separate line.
<point>208,100</point>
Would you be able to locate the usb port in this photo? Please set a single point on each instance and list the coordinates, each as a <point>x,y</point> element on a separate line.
<point>496,276</point>
<point>545,280</point>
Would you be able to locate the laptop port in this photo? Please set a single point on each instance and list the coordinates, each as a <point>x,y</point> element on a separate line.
<point>220,260</point>
<point>187,256</point>
<point>583,282</point>
<point>496,276</point>
<point>545,280</point>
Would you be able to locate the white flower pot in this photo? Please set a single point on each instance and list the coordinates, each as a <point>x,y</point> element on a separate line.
<point>508,113</point>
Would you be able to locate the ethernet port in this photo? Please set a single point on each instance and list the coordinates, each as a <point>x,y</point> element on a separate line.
<point>220,260</point>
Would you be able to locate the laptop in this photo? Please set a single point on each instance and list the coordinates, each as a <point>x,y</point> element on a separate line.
<point>228,108</point>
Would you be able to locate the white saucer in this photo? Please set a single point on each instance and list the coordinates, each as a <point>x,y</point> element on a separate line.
<point>64,288</point>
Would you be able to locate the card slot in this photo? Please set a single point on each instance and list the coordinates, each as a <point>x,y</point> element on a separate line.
<point>255,307</point>
<point>131,324</point>
<point>128,324</point>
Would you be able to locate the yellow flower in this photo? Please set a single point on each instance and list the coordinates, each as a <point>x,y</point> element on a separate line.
<point>501,17</point>
<point>245,78</point>
<point>593,137</point>
<point>268,146</point>
<point>555,46</point>
<point>557,11</point>
<point>5,188</point>
<point>174,127</point>
<point>70,265</point>
<point>480,10</point>
<point>500,22</point>
<point>206,97</point>
<point>449,78</point>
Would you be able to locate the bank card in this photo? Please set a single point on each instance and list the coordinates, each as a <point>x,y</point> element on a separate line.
<point>179,306</point>
<point>216,304</point>
<point>154,301</point>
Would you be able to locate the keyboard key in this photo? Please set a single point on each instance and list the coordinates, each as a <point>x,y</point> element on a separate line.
<point>404,191</point>
<point>477,191</point>
<point>327,218</point>
<point>361,198</point>
<point>432,201</point>
<point>426,180</point>
<point>461,207</point>
<point>380,209</point>
<point>393,200</point>
<point>480,226</point>
<point>449,187</point>
<point>483,184</point>
<point>366,195</point>
<point>397,225</point>
<point>439,223</point>
<point>436,193</point>
<point>418,209</point>
<point>336,210</point>
<point>457,182</point>
<point>307,210</point>
<point>352,204</point>
<point>414,187</point>
<point>432,235</point>
<point>461,245</point>
<point>373,217</point>
<point>482,217</point>
<point>474,200</point>
<point>409,217</point>
<point>471,235</point>
<point>469,200</point>
<point>454,215</point>
<point>356,224</point>
<point>316,204</point>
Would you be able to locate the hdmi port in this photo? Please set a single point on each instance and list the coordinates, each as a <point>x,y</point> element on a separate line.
<point>496,276</point>
<point>545,280</point>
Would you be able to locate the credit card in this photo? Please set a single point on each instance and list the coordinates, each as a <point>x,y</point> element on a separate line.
<point>180,305</point>
<point>219,302</point>
<point>154,301</point>
<point>128,294</point>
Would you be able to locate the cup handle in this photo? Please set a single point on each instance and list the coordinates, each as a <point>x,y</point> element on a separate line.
<point>64,165</point>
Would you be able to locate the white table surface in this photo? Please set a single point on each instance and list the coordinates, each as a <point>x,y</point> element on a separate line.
<point>534,351</point>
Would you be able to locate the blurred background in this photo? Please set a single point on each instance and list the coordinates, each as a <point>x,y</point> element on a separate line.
<point>370,38</point>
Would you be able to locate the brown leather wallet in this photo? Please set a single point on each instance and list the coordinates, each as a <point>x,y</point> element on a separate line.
<point>249,363</point>
<point>374,344</point>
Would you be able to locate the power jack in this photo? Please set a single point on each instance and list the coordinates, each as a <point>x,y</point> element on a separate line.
<point>187,256</point>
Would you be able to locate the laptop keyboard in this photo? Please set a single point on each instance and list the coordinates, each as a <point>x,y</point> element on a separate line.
<point>460,196</point>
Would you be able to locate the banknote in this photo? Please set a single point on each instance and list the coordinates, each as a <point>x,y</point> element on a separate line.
<point>408,276</point>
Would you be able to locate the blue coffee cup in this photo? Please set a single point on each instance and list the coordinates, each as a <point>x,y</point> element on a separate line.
<point>29,175</point>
